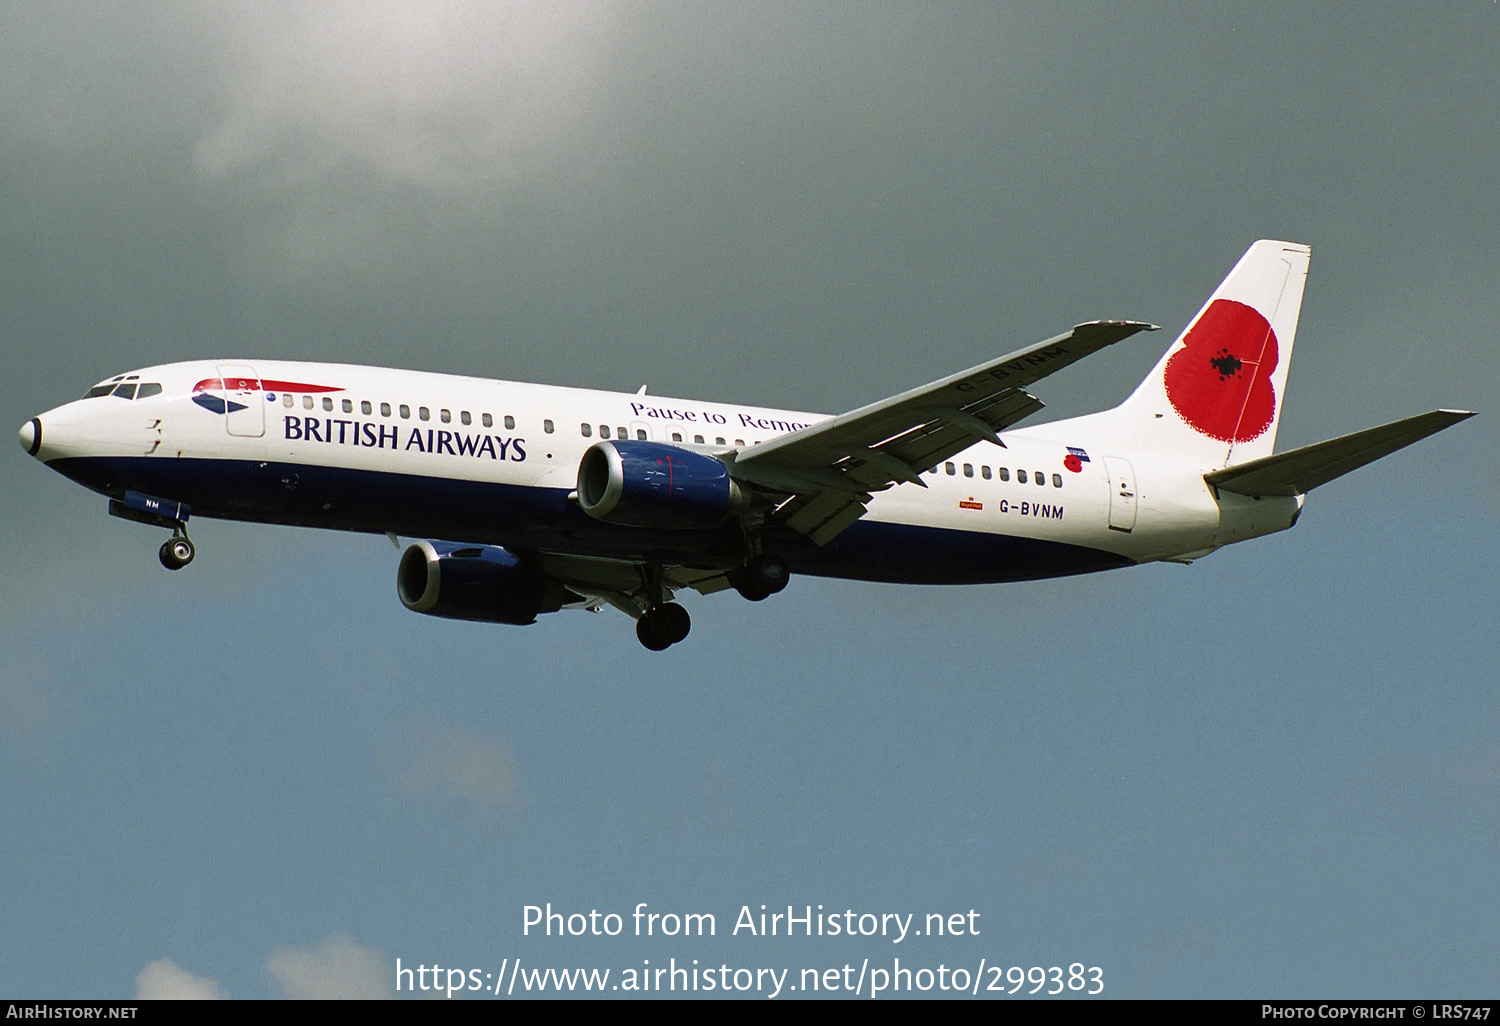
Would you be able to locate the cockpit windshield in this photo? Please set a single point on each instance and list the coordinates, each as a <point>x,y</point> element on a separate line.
<point>126,386</point>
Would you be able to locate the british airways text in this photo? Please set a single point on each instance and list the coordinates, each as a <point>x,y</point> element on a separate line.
<point>366,435</point>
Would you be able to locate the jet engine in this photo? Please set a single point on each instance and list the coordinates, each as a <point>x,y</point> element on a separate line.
<point>484,583</point>
<point>653,484</point>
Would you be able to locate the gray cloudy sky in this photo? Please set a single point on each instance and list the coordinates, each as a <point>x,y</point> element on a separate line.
<point>1273,773</point>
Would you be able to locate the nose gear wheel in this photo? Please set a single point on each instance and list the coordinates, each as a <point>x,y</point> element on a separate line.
<point>177,551</point>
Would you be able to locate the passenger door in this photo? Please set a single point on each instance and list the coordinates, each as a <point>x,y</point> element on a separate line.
<point>244,400</point>
<point>1121,494</point>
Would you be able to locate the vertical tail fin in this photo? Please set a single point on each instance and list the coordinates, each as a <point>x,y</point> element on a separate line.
<point>1215,397</point>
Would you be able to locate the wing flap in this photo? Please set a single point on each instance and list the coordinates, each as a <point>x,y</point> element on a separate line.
<point>821,517</point>
<point>1301,470</point>
<point>619,583</point>
<point>947,432</point>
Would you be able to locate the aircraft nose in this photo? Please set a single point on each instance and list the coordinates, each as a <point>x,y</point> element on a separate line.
<point>31,435</point>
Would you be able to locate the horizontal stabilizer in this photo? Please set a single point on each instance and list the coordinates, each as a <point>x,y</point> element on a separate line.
<point>1301,470</point>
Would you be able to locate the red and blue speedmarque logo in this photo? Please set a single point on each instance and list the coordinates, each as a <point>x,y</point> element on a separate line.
<point>213,393</point>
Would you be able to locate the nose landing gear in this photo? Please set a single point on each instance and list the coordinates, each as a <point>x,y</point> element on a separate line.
<point>177,551</point>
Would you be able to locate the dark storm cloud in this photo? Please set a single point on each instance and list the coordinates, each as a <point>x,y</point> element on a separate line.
<point>628,187</point>
<point>599,192</point>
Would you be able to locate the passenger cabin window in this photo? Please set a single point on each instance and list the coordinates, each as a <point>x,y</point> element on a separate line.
<point>307,402</point>
<point>950,468</point>
<point>640,434</point>
<point>405,411</point>
<point>587,431</point>
<point>718,441</point>
<point>1056,480</point>
<point>698,439</point>
<point>622,433</point>
<point>287,399</point>
<point>968,470</point>
<point>348,405</point>
<point>328,403</point>
<point>365,407</point>
<point>676,436</point>
<point>385,409</point>
<point>1020,477</point>
<point>487,420</point>
<point>1005,473</point>
<point>1041,478</point>
<point>510,422</point>
<point>423,413</point>
<point>546,425</point>
<point>984,472</point>
<point>447,418</point>
<point>603,430</point>
<point>465,418</point>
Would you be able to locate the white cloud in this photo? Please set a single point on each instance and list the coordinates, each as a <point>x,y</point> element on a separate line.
<point>460,764</point>
<point>165,980</point>
<point>439,95</point>
<point>337,969</point>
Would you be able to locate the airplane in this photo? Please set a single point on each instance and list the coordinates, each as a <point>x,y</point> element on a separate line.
<point>538,498</point>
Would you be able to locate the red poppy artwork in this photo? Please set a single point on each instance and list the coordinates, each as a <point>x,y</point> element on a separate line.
<point>1220,380</point>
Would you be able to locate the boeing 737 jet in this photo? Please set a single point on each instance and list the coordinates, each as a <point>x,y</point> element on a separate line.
<point>535,498</point>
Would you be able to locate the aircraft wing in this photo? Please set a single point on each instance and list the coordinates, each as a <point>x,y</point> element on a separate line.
<point>829,469</point>
<point>1300,470</point>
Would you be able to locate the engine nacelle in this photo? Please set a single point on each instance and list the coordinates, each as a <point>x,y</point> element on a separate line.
<point>653,484</point>
<point>475,582</point>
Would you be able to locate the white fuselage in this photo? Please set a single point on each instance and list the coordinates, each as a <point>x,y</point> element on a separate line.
<point>329,445</point>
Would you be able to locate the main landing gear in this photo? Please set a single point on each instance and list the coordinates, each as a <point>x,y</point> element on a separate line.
<point>177,551</point>
<point>664,623</point>
<point>663,626</point>
<point>761,577</point>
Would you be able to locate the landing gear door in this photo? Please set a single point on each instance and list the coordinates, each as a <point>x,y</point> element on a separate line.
<point>1121,494</point>
<point>244,401</point>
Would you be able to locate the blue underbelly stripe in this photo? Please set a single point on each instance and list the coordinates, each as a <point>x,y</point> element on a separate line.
<point>537,519</point>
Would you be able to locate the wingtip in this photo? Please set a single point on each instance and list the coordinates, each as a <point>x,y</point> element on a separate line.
<point>1132,326</point>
